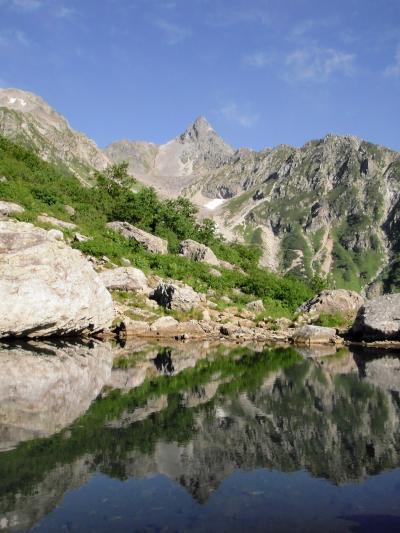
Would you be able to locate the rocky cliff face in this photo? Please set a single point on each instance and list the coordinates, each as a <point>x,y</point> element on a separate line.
<point>329,207</point>
<point>177,164</point>
<point>26,118</point>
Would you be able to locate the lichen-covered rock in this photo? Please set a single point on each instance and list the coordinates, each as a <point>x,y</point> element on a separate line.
<point>124,279</point>
<point>198,252</point>
<point>307,335</point>
<point>46,288</point>
<point>332,302</point>
<point>378,319</point>
<point>147,240</point>
<point>177,297</point>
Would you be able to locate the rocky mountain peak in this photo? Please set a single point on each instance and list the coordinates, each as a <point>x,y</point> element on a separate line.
<point>198,130</point>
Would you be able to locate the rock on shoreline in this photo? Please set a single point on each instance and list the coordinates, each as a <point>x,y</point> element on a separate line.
<point>46,287</point>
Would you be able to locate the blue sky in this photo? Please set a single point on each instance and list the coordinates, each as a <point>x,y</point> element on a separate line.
<point>263,72</point>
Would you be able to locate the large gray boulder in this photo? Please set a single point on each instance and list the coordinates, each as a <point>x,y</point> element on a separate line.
<point>124,279</point>
<point>46,287</point>
<point>333,302</point>
<point>378,319</point>
<point>198,252</point>
<point>177,297</point>
<point>147,240</point>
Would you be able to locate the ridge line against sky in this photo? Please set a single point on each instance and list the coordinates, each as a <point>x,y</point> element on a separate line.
<point>263,72</point>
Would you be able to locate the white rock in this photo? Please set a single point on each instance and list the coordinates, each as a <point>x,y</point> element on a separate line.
<point>56,234</point>
<point>125,279</point>
<point>46,288</point>
<point>8,208</point>
<point>164,322</point>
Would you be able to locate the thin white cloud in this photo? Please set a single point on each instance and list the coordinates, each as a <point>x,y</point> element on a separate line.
<point>314,63</point>
<point>10,38</point>
<point>257,59</point>
<point>393,71</point>
<point>64,12</point>
<point>233,113</point>
<point>302,27</point>
<point>174,34</point>
<point>25,5</point>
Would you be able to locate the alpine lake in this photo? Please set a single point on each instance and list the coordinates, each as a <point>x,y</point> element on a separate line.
<point>198,437</point>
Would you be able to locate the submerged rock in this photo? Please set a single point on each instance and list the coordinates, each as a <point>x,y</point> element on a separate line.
<point>46,288</point>
<point>379,319</point>
<point>147,240</point>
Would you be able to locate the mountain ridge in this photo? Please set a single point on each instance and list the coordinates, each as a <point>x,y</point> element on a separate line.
<point>330,207</point>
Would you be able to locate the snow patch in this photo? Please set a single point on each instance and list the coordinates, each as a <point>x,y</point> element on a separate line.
<point>12,100</point>
<point>213,204</point>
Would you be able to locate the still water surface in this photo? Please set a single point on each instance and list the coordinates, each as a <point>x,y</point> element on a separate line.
<point>198,438</point>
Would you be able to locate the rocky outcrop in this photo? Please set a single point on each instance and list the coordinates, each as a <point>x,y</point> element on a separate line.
<point>46,288</point>
<point>9,208</point>
<point>307,335</point>
<point>124,279</point>
<point>147,240</point>
<point>176,297</point>
<point>333,302</point>
<point>378,319</point>
<point>198,252</point>
<point>187,157</point>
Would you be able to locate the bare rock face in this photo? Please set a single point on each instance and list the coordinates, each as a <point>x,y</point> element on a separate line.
<point>28,119</point>
<point>379,319</point>
<point>46,288</point>
<point>125,279</point>
<point>9,208</point>
<point>339,301</point>
<point>179,298</point>
<point>307,335</point>
<point>198,252</point>
<point>150,242</point>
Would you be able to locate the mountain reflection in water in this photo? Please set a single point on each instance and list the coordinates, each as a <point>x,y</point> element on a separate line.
<point>274,436</point>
